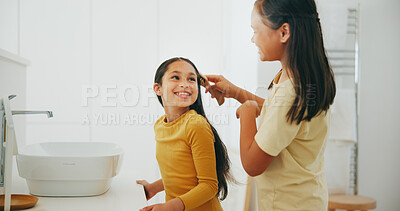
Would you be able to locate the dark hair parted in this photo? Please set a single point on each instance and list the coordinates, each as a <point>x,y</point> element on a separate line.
<point>306,57</point>
<point>221,154</point>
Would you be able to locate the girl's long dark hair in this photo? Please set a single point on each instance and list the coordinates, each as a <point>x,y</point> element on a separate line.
<point>221,154</point>
<point>313,77</point>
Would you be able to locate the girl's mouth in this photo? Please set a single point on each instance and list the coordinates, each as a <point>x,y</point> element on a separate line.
<point>183,94</point>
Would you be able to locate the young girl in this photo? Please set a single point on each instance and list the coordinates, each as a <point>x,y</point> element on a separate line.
<point>286,153</point>
<point>193,161</point>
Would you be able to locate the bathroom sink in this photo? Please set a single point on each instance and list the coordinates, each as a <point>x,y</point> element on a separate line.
<point>69,168</point>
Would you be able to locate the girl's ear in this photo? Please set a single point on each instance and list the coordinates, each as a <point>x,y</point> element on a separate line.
<point>157,89</point>
<point>285,33</point>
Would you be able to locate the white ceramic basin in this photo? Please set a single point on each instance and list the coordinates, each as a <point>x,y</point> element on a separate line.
<point>69,168</point>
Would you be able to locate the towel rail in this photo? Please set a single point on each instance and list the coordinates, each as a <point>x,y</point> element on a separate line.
<point>345,63</point>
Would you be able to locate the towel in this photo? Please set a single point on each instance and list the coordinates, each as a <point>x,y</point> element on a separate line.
<point>337,166</point>
<point>343,116</point>
<point>342,137</point>
<point>333,17</point>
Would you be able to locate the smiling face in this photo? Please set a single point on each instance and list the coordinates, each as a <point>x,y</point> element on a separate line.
<point>179,88</point>
<point>270,42</point>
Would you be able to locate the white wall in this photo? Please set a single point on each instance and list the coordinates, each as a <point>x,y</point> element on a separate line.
<point>54,35</point>
<point>379,157</point>
<point>9,11</point>
<point>13,82</point>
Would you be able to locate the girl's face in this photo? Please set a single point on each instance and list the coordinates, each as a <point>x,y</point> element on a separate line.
<point>270,42</point>
<point>179,86</point>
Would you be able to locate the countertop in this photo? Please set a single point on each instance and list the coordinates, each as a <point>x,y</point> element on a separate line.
<point>124,194</point>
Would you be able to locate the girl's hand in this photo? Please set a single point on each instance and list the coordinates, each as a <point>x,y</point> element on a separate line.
<point>175,204</point>
<point>222,85</point>
<point>148,188</point>
<point>249,107</point>
<point>155,207</point>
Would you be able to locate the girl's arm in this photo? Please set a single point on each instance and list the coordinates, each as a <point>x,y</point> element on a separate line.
<point>229,90</point>
<point>254,160</point>
<point>151,189</point>
<point>200,138</point>
<point>243,96</point>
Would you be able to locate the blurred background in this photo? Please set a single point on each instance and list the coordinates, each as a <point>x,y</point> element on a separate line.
<point>92,62</point>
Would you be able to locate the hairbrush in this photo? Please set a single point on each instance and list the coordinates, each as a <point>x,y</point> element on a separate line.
<point>217,94</point>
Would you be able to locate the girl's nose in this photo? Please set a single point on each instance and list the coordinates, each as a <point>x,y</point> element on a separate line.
<point>184,85</point>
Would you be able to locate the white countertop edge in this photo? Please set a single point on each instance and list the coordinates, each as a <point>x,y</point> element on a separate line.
<point>13,57</point>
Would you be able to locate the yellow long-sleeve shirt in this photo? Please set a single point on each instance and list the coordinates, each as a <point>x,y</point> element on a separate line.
<point>186,157</point>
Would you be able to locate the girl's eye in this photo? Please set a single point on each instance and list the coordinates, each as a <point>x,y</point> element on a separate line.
<point>175,77</point>
<point>192,79</point>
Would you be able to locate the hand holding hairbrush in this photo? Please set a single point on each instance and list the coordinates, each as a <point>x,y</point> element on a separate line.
<point>217,94</point>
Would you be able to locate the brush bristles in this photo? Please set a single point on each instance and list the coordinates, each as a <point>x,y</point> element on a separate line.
<point>202,81</point>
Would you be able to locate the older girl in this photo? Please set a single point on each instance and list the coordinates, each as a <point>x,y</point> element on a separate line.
<point>285,153</point>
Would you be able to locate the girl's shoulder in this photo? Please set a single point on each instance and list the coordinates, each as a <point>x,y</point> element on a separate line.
<point>195,119</point>
<point>283,92</point>
<point>197,128</point>
<point>190,118</point>
<point>160,120</point>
